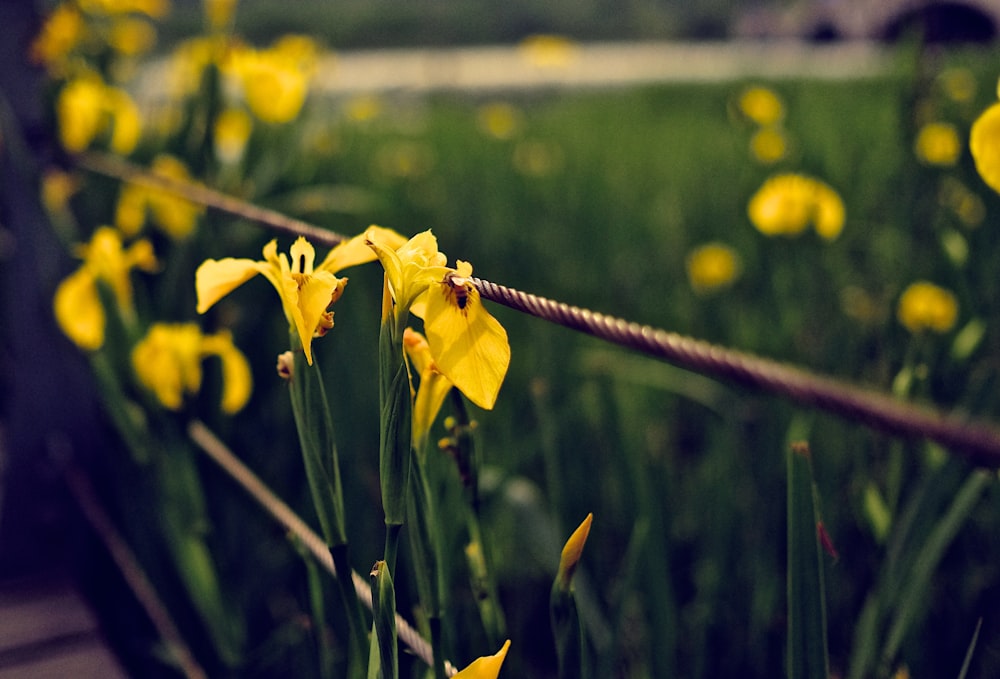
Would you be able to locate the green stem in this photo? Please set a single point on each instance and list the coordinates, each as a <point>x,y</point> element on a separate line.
<point>352,609</point>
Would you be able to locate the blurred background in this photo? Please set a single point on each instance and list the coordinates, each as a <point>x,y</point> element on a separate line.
<point>627,194</point>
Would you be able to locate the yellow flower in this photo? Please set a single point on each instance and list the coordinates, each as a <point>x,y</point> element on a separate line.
<point>433,388</point>
<point>218,13</point>
<point>168,359</point>
<point>712,266</point>
<point>549,51</point>
<point>925,306</point>
<point>176,216</point>
<point>768,145</point>
<point>761,105</point>
<point>132,36</point>
<point>85,108</point>
<point>984,142</point>
<point>232,131</point>
<point>60,34</point>
<point>468,345</point>
<point>363,108</point>
<point>958,84</point>
<point>938,144</point>
<point>305,291</point>
<point>500,120</point>
<point>77,302</point>
<point>785,205</point>
<point>275,81</point>
<point>486,667</point>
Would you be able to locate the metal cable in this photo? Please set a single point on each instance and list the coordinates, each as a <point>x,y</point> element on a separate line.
<point>977,441</point>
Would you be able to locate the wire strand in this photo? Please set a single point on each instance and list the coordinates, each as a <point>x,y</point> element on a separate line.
<point>977,441</point>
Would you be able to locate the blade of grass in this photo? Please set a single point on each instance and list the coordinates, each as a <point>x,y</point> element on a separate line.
<point>807,646</point>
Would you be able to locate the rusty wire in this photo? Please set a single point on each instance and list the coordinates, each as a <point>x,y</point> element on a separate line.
<point>978,441</point>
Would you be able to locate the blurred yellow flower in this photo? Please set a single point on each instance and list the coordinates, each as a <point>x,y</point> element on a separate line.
<point>174,215</point>
<point>60,34</point>
<point>549,51</point>
<point>925,306</point>
<point>363,108</point>
<point>500,120</point>
<point>305,290</point>
<point>131,36</point>
<point>188,61</point>
<point>712,266</point>
<point>984,142</point>
<point>468,345</point>
<point>275,81</point>
<point>153,8</point>
<point>958,84</point>
<point>231,132</point>
<point>966,204</point>
<point>77,302</point>
<point>486,667</point>
<point>938,144</point>
<point>86,107</point>
<point>57,188</point>
<point>534,158</point>
<point>762,105</point>
<point>168,359</point>
<point>768,145</point>
<point>786,204</point>
<point>219,13</point>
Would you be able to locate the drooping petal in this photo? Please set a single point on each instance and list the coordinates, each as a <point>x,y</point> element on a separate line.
<point>486,667</point>
<point>215,279</point>
<point>470,347</point>
<point>237,380</point>
<point>434,386</point>
<point>78,310</point>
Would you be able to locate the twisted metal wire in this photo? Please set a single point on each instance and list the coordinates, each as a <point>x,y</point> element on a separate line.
<point>283,514</point>
<point>977,441</point>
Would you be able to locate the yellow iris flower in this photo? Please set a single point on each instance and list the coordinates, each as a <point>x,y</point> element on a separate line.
<point>176,216</point>
<point>984,142</point>
<point>468,345</point>
<point>275,81</point>
<point>786,204</point>
<point>305,290</point>
<point>168,359</point>
<point>486,667</point>
<point>77,302</point>
<point>86,107</point>
<point>925,306</point>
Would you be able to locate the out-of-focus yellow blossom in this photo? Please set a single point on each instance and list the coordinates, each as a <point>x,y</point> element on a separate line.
<point>712,266</point>
<point>762,105</point>
<point>768,145</point>
<point>132,36</point>
<point>925,306</point>
<point>434,386</point>
<point>152,8</point>
<point>57,188</point>
<point>86,107</point>
<point>168,360</point>
<point>305,290</point>
<point>468,345</point>
<point>219,13</point>
<point>486,667</point>
<point>537,158</point>
<point>786,204</point>
<point>984,142</point>
<point>364,108</point>
<point>966,205</point>
<point>176,216</point>
<point>958,84</point>
<point>61,33</point>
<point>404,159</point>
<point>500,120</point>
<point>231,132</point>
<point>187,63</point>
<point>77,302</point>
<point>276,80</point>
<point>938,144</point>
<point>549,51</point>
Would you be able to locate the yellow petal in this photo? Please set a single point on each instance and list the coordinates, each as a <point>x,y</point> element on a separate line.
<point>303,256</point>
<point>78,310</point>
<point>470,347</point>
<point>357,251</point>
<point>237,380</point>
<point>215,279</point>
<point>315,296</point>
<point>573,550</point>
<point>487,667</point>
<point>984,142</point>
